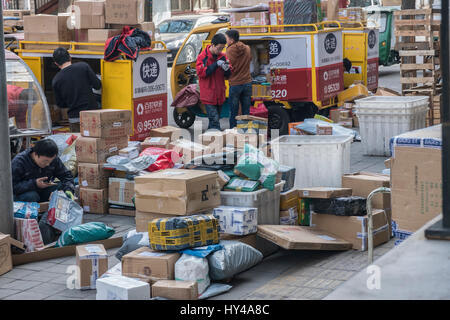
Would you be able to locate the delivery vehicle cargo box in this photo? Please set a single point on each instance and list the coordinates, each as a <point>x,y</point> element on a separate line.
<point>183,232</point>
<point>302,238</point>
<point>92,175</point>
<point>176,290</point>
<point>92,259</point>
<point>324,192</point>
<point>354,229</point>
<point>177,191</point>
<point>97,150</point>
<point>146,263</point>
<point>106,123</point>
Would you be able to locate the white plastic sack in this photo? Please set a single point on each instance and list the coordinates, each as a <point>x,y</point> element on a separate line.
<point>191,268</point>
<point>235,257</point>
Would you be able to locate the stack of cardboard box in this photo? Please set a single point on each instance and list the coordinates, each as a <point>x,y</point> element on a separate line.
<point>104,133</point>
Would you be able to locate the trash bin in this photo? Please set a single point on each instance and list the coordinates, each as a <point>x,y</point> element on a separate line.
<point>381,118</point>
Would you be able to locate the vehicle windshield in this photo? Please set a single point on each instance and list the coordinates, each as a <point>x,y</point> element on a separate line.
<point>26,108</point>
<point>377,20</point>
<point>176,26</point>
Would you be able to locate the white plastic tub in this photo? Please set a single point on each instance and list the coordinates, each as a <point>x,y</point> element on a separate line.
<point>319,161</point>
<point>267,202</point>
<point>381,118</point>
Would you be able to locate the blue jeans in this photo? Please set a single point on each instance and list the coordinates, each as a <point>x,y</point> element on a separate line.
<point>42,195</point>
<point>241,93</point>
<point>213,116</point>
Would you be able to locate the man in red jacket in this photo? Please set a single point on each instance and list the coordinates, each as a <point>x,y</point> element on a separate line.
<point>212,69</point>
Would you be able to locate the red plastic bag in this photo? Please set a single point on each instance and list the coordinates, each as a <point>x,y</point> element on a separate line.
<point>259,111</point>
<point>165,159</point>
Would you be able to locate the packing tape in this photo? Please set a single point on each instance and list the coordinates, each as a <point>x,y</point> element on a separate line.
<point>94,274</point>
<point>365,235</point>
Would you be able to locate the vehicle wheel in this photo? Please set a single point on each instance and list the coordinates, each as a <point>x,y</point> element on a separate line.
<point>278,119</point>
<point>190,53</point>
<point>183,120</point>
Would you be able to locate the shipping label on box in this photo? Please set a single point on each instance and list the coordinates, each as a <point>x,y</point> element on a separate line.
<point>5,254</point>
<point>105,123</point>
<point>92,175</point>
<point>121,192</point>
<point>92,260</point>
<point>94,200</point>
<point>125,12</point>
<point>146,263</point>
<point>177,191</point>
<point>175,289</point>
<point>97,150</point>
<point>237,220</point>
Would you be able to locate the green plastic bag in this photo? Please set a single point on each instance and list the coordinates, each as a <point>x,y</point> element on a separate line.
<point>83,233</point>
<point>256,166</point>
<point>237,184</point>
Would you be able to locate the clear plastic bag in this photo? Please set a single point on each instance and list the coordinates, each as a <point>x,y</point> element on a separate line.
<point>63,213</point>
<point>191,268</point>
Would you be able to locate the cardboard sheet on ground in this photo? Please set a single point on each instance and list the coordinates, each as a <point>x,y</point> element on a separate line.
<point>302,238</point>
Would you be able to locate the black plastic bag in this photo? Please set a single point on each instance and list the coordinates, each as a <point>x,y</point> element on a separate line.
<point>344,206</point>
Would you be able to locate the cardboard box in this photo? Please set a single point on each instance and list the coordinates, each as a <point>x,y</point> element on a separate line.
<point>100,36</point>
<point>416,174</point>
<point>121,192</point>
<point>143,218</point>
<point>170,132</point>
<point>175,290</point>
<point>335,115</point>
<point>92,259</point>
<point>148,27</point>
<point>5,254</point>
<point>346,123</point>
<point>122,288</point>
<point>288,199</point>
<point>92,175</point>
<point>354,229</point>
<point>237,220</point>
<point>324,192</point>
<point>302,238</point>
<point>156,142</point>
<point>91,14</point>
<point>213,139</point>
<point>257,18</point>
<point>177,191</point>
<point>16,13</point>
<point>355,121</point>
<point>289,217</point>
<point>189,150</point>
<point>276,15</point>
<point>324,130</point>
<point>363,183</point>
<point>106,123</point>
<point>129,152</point>
<point>238,140</point>
<point>125,211</point>
<point>80,35</point>
<point>45,27</point>
<point>97,150</point>
<point>94,200</point>
<point>247,3</point>
<point>150,264</point>
<point>223,179</point>
<point>381,91</point>
<point>125,12</point>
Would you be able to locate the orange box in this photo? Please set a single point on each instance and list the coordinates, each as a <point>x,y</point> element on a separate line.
<point>294,131</point>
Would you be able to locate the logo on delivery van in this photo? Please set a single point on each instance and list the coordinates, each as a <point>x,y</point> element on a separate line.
<point>372,39</point>
<point>149,70</point>
<point>330,43</point>
<point>274,49</point>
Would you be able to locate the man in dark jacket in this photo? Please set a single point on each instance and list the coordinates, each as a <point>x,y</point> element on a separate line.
<point>73,87</point>
<point>34,170</point>
<point>241,80</point>
<point>212,69</point>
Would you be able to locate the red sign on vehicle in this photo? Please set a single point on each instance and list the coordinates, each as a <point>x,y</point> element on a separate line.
<point>291,84</point>
<point>330,81</point>
<point>149,113</point>
<point>372,74</point>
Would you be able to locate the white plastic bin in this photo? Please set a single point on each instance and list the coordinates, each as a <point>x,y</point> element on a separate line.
<point>267,202</point>
<point>381,118</point>
<point>319,161</point>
